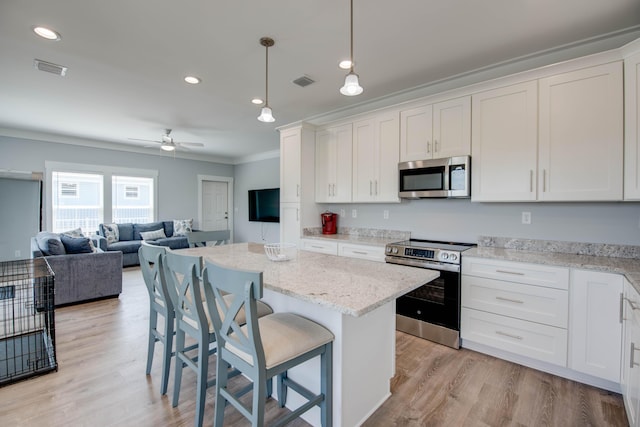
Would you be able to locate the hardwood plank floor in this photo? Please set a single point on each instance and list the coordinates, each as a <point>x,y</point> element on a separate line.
<point>101,350</point>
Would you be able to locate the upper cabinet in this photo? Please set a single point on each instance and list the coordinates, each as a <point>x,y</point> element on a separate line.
<point>375,159</point>
<point>334,164</point>
<point>571,123</point>
<point>505,136</point>
<point>632,127</point>
<point>290,165</point>
<point>581,135</point>
<point>436,131</point>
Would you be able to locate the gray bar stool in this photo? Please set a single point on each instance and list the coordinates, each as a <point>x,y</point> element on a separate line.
<point>263,348</point>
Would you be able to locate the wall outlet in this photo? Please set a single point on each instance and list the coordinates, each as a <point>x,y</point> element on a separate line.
<point>354,213</point>
<point>342,213</point>
<point>385,214</point>
<point>526,217</point>
<point>17,253</point>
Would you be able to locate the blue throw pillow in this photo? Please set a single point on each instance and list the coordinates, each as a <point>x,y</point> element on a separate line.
<point>50,243</point>
<point>76,245</point>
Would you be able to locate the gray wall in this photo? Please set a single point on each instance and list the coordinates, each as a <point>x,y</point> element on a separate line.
<point>464,221</point>
<point>19,216</point>
<point>252,176</point>
<point>177,178</point>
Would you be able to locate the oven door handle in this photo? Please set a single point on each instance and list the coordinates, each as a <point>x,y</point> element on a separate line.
<point>423,264</point>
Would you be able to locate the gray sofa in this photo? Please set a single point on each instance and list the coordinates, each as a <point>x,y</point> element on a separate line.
<point>130,239</point>
<point>81,277</point>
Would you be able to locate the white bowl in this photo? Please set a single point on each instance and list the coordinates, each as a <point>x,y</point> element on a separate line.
<point>280,251</point>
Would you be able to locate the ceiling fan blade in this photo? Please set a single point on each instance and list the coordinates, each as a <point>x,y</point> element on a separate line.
<point>144,140</point>
<point>192,144</point>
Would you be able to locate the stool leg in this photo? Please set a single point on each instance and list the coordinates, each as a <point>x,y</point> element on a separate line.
<point>259,399</point>
<point>179,366</point>
<point>282,389</point>
<point>203,370</point>
<point>326,386</point>
<point>153,324</point>
<point>222,371</point>
<point>168,346</point>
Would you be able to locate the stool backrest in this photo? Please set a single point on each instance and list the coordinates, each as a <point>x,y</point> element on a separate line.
<point>183,283</point>
<point>245,287</point>
<point>200,238</point>
<point>151,266</point>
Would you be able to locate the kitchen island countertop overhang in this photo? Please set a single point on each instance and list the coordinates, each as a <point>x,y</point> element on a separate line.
<point>350,286</point>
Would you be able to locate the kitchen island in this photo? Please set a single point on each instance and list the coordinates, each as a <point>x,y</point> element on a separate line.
<point>353,298</point>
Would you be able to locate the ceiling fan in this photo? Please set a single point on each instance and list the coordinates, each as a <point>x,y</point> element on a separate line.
<point>168,143</point>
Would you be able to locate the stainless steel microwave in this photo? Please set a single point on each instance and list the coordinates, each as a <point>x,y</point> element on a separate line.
<point>443,178</point>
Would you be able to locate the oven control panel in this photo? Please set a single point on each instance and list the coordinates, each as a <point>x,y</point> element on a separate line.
<point>438,255</point>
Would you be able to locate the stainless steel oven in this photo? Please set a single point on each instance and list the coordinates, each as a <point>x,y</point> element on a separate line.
<point>431,311</point>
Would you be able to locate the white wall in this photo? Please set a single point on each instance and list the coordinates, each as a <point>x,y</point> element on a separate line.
<point>20,217</point>
<point>463,221</point>
<point>177,180</point>
<point>253,176</point>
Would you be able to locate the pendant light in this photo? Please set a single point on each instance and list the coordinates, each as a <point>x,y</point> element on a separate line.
<point>266,115</point>
<point>351,86</point>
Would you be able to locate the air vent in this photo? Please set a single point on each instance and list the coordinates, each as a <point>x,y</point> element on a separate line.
<point>303,81</point>
<point>50,67</point>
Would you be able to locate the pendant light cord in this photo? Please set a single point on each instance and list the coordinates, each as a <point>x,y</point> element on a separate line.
<point>351,36</point>
<point>266,82</point>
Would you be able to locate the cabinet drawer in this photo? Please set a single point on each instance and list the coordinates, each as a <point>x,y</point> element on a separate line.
<point>532,274</point>
<point>535,303</point>
<point>372,253</point>
<point>541,342</point>
<point>324,247</point>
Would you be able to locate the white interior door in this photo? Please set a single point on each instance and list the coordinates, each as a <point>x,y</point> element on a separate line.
<point>215,206</point>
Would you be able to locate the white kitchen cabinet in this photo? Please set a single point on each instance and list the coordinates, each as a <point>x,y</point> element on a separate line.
<point>515,307</point>
<point>504,131</point>
<point>375,159</point>
<point>322,246</point>
<point>352,250</point>
<point>436,131</point>
<point>632,127</point>
<point>581,135</point>
<point>297,201</point>
<point>596,323</point>
<point>334,164</point>
<point>630,379</point>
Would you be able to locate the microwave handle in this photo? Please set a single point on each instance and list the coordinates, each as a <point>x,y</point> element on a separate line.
<point>447,177</point>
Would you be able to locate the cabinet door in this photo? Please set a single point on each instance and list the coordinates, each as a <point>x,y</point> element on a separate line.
<point>595,323</point>
<point>581,135</point>
<point>290,222</point>
<point>387,137</point>
<point>416,131</point>
<point>333,164</point>
<point>632,128</point>
<point>630,381</point>
<point>364,161</point>
<point>290,150</point>
<point>504,125</point>
<point>452,128</point>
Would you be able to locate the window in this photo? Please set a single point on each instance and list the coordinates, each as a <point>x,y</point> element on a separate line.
<point>84,196</point>
<point>77,201</point>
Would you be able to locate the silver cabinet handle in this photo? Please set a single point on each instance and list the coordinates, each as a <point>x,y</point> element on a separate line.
<point>531,180</point>
<point>360,253</point>
<point>376,187</point>
<point>428,147</point>
<point>544,180</point>
<point>504,334</point>
<point>298,190</point>
<point>632,362</point>
<point>333,190</point>
<point>510,300</point>
<point>435,145</point>
<point>621,306</point>
<point>516,273</point>
<point>370,188</point>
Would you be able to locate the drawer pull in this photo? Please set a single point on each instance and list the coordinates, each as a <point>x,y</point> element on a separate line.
<point>510,300</point>
<point>317,247</point>
<point>517,273</point>
<point>360,252</point>
<point>515,337</point>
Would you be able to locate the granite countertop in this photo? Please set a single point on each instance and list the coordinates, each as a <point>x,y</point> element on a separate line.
<point>629,267</point>
<point>350,286</point>
<point>360,236</point>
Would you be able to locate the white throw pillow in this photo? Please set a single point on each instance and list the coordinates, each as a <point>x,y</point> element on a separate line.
<point>153,235</point>
<point>111,233</point>
<point>74,233</point>
<point>182,226</point>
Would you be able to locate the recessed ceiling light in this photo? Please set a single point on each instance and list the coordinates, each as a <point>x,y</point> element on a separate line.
<point>257,101</point>
<point>345,64</point>
<point>193,80</point>
<point>47,33</point>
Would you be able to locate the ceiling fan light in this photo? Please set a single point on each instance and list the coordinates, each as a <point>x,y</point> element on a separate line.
<point>266,115</point>
<point>167,147</point>
<point>351,85</point>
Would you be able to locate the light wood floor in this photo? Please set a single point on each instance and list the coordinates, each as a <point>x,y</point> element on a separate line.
<point>101,349</point>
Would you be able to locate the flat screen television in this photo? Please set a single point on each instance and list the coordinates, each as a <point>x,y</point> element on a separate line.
<point>264,205</point>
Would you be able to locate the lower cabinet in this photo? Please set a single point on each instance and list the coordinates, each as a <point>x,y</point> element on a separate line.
<point>596,323</point>
<point>630,379</point>
<point>561,320</point>
<point>351,250</point>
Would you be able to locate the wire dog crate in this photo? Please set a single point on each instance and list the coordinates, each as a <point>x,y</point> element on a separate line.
<point>27,321</point>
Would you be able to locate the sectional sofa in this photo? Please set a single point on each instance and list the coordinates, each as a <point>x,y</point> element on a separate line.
<point>127,238</point>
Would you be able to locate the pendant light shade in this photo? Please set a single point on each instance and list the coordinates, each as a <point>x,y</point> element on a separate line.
<point>351,84</point>
<point>266,115</point>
